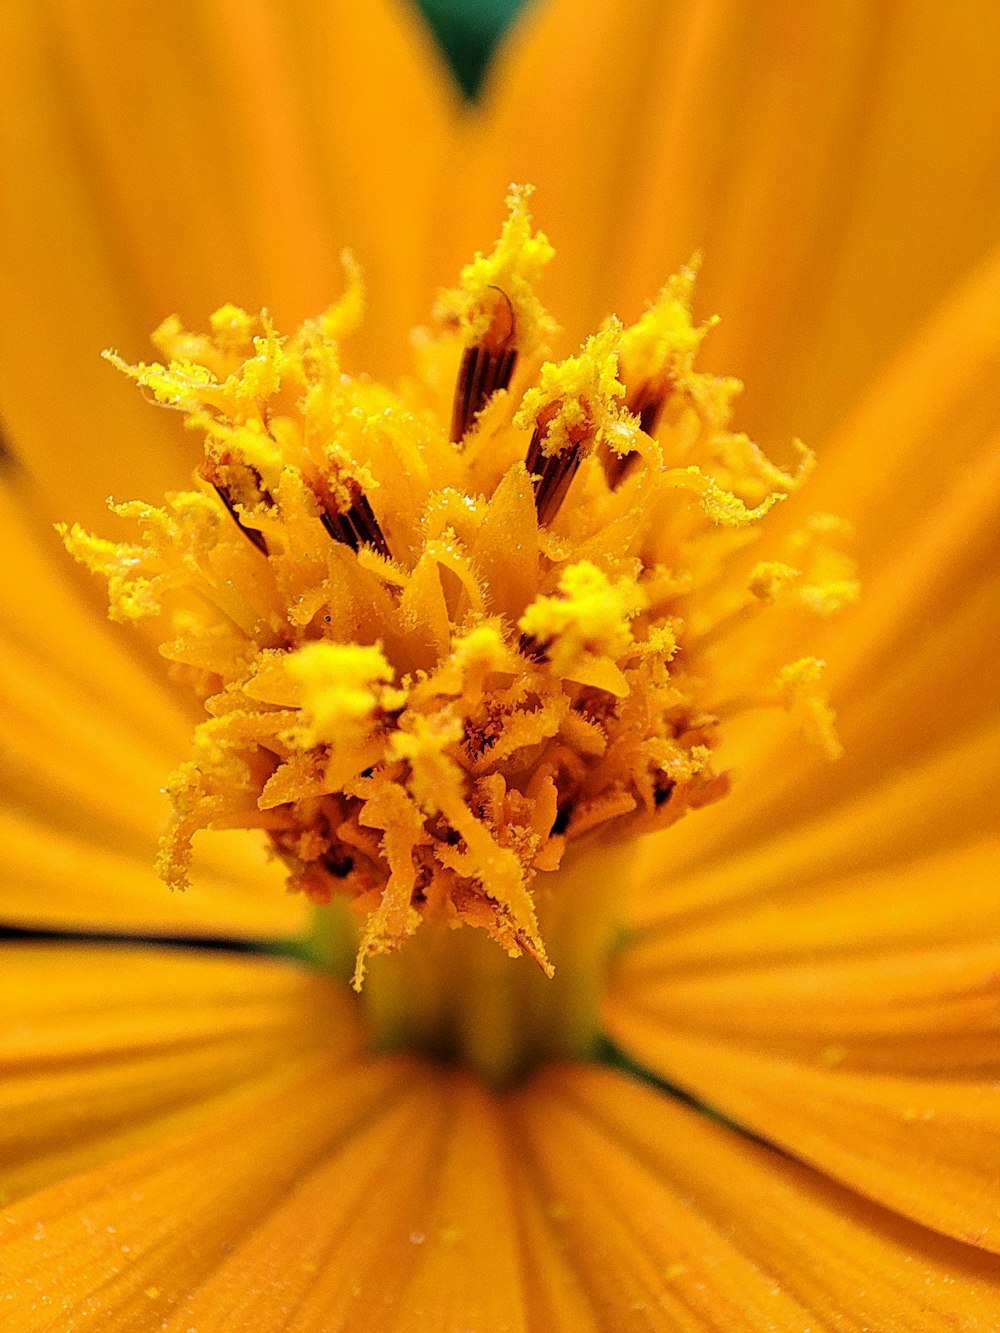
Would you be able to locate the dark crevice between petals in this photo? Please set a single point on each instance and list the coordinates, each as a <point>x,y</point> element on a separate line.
<point>9,461</point>
<point>290,949</point>
<point>611,1056</point>
<point>647,403</point>
<point>254,534</point>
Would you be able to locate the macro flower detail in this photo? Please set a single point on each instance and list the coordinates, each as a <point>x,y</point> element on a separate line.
<point>598,688</point>
<point>443,645</point>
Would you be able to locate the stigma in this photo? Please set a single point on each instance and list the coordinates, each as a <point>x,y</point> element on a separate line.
<point>446,638</point>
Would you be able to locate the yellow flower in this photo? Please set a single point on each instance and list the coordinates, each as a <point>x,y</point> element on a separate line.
<point>780,1105</point>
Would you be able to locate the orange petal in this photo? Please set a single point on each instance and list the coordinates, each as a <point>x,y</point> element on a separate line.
<point>798,150</point>
<point>320,1190</point>
<point>929,1148</point>
<point>66,297</point>
<point>105,1047</point>
<point>169,162</point>
<point>319,1258</point>
<point>923,423</point>
<point>388,1232</point>
<point>918,810</point>
<point>560,112</point>
<point>151,1087</point>
<point>853,1023</point>
<point>64,747</point>
<point>53,879</point>
<point>672,1221</point>
<point>219,1176</point>
<point>315,1186</point>
<point>59,619</point>
<point>860,914</point>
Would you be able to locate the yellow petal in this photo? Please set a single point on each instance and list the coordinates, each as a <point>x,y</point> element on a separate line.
<point>584,68</point>
<point>926,808</point>
<point>51,618</point>
<point>860,913</point>
<point>102,1048</point>
<point>142,1087</point>
<point>148,1087</point>
<point>796,150</point>
<point>852,1023</point>
<point>319,1189</point>
<point>672,1221</point>
<point>91,732</point>
<point>322,1255</point>
<point>58,880</point>
<point>165,163</point>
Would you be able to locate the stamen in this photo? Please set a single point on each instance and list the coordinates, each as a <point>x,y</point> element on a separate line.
<point>646,403</point>
<point>431,729</point>
<point>223,475</point>
<point>576,406</point>
<point>552,474</point>
<point>353,524</point>
<point>487,365</point>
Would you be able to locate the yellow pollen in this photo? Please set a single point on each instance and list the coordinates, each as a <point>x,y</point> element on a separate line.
<point>450,633</point>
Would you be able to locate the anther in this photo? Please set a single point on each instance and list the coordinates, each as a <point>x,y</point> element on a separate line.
<point>551,474</point>
<point>487,366</point>
<point>354,524</point>
<point>646,402</point>
<point>224,475</point>
<point>533,649</point>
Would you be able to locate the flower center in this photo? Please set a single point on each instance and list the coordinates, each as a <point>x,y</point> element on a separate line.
<point>457,642</point>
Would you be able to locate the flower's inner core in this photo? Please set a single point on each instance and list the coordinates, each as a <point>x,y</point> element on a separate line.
<point>450,634</point>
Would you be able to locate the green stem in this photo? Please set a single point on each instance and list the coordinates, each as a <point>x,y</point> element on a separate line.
<point>456,995</point>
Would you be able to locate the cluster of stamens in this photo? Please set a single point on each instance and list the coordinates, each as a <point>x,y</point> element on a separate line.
<point>440,643</point>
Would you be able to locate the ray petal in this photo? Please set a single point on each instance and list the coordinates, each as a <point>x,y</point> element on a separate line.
<point>198,1140</point>
<point>91,732</point>
<point>675,1222</point>
<point>166,163</point>
<point>851,1022</point>
<point>795,148</point>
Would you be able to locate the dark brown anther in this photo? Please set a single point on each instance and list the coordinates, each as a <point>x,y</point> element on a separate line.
<point>533,649</point>
<point>356,526</point>
<point>551,474</point>
<point>486,367</point>
<point>224,475</point>
<point>646,403</point>
<point>553,480</point>
<point>255,535</point>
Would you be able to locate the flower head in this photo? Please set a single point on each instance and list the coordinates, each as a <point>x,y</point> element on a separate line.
<point>441,652</point>
<point>566,596</point>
